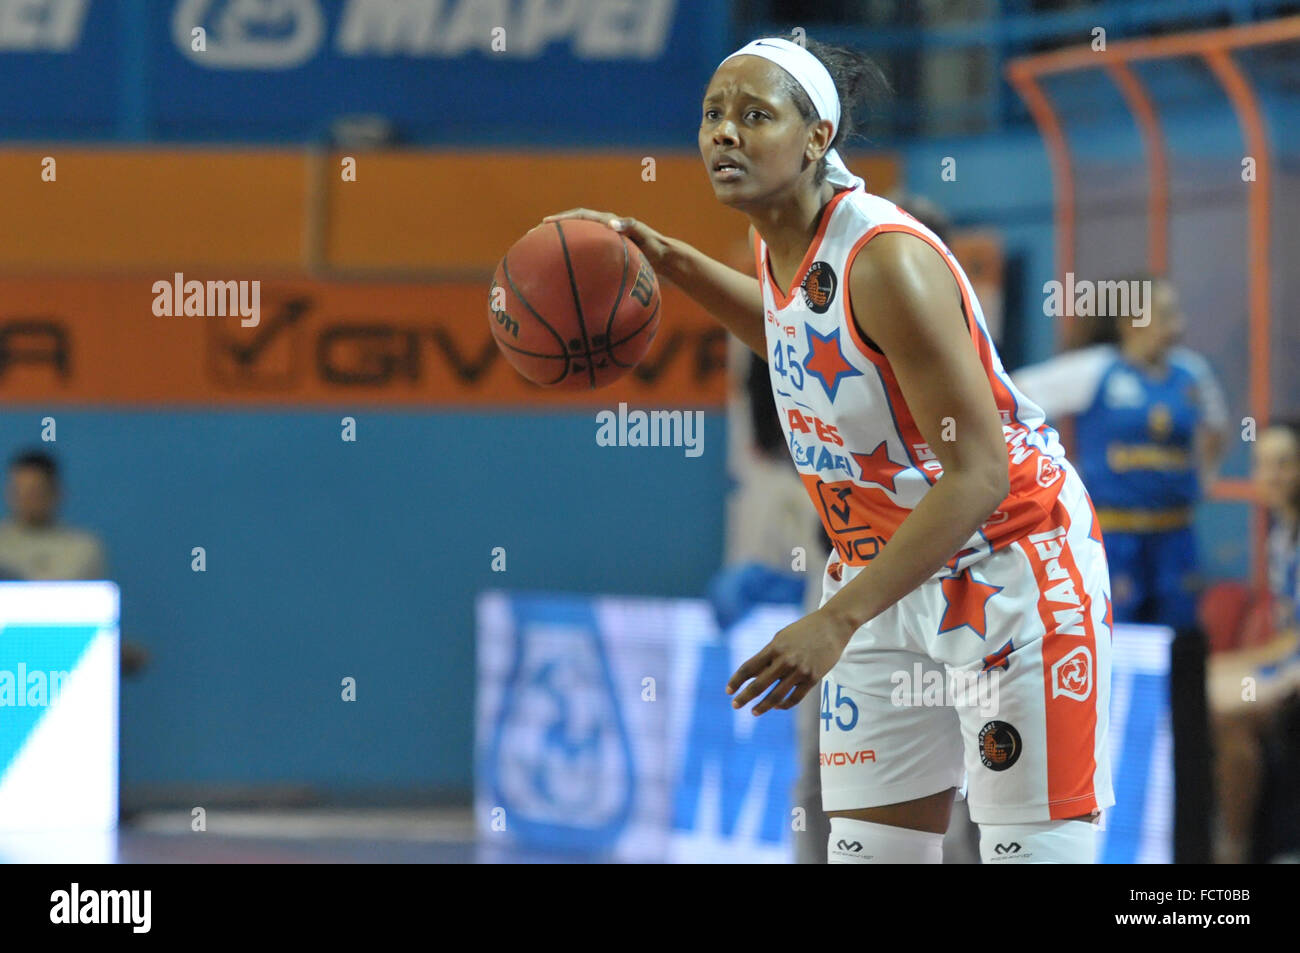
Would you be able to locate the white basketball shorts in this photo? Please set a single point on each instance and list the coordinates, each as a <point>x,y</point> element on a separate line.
<point>995,679</point>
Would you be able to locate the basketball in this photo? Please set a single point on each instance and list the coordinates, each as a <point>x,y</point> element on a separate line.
<point>574,304</point>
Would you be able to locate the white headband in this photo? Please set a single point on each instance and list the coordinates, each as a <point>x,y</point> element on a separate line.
<point>816,81</point>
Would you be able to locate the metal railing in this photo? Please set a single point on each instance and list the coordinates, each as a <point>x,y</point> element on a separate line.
<point>949,74</point>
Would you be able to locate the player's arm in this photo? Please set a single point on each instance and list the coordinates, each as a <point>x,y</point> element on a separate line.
<point>733,298</point>
<point>907,301</point>
<point>1064,385</point>
<point>1211,440</point>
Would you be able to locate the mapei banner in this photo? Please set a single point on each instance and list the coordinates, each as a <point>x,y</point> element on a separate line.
<point>577,71</point>
<point>190,339</point>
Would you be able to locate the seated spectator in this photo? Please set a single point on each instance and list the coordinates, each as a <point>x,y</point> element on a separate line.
<point>1243,722</point>
<point>33,544</point>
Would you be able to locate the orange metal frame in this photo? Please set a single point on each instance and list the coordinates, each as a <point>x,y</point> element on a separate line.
<point>1212,46</point>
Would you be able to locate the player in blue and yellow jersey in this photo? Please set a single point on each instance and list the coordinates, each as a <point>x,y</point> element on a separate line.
<point>1149,425</point>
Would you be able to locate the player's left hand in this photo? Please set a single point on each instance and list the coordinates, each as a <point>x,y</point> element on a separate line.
<point>795,661</point>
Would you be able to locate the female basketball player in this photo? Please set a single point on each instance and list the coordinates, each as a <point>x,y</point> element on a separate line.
<point>965,543</point>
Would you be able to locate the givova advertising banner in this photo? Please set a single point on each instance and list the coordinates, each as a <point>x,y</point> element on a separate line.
<point>125,341</point>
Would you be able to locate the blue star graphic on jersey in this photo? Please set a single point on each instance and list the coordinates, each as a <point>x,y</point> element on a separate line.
<point>825,360</point>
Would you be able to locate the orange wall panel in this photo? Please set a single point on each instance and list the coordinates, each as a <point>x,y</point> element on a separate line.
<point>155,209</point>
<point>264,213</point>
<point>461,212</point>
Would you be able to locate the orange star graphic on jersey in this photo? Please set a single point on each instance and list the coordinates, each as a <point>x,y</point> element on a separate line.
<point>967,600</point>
<point>877,464</point>
<point>999,659</point>
<point>961,554</point>
<point>825,360</point>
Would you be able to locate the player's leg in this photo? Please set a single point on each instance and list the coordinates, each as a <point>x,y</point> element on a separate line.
<point>890,760</point>
<point>1128,591</point>
<point>1239,760</point>
<point>1176,588</point>
<point>890,746</point>
<point>908,833</point>
<point>1067,841</point>
<point>1176,578</point>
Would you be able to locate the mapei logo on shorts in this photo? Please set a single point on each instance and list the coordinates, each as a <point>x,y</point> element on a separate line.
<point>819,287</point>
<point>227,34</point>
<point>1056,561</point>
<point>835,758</point>
<point>1072,675</point>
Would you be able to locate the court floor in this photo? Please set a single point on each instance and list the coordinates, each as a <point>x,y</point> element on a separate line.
<point>281,836</point>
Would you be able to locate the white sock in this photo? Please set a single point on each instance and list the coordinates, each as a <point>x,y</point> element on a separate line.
<point>864,842</point>
<point>1040,842</point>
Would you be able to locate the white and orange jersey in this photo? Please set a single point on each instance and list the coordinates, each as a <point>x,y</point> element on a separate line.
<point>858,450</point>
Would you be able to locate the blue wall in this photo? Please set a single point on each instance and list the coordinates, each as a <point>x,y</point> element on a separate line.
<point>327,559</point>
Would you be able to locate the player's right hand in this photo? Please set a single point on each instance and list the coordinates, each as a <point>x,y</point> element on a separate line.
<point>653,245</point>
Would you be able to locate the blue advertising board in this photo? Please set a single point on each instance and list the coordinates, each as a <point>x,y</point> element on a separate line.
<point>472,72</point>
<point>602,729</point>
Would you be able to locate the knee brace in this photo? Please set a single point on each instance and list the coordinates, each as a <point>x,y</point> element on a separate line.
<point>1040,842</point>
<point>864,842</point>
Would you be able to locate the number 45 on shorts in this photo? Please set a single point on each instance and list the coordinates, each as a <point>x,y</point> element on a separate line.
<point>841,702</point>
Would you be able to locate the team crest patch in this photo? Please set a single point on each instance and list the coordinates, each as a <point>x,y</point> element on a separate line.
<point>819,287</point>
<point>999,745</point>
